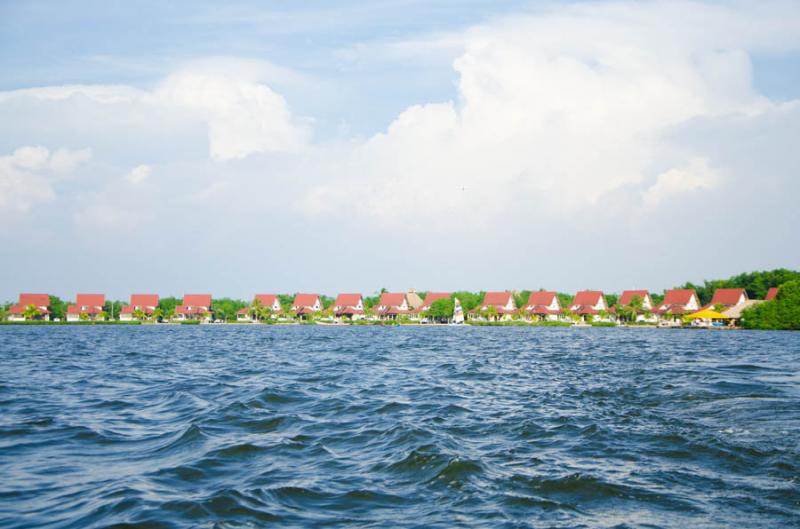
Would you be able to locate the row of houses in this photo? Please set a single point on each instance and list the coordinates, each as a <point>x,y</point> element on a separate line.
<point>495,306</point>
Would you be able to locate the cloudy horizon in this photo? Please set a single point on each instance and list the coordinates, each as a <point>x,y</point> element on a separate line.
<point>473,145</point>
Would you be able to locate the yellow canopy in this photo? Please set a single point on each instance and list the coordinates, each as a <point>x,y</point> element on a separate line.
<point>707,314</point>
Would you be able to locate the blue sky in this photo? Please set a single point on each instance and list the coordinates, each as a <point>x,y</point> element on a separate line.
<point>436,145</point>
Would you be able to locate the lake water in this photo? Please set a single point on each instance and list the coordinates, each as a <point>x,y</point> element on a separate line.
<point>234,426</point>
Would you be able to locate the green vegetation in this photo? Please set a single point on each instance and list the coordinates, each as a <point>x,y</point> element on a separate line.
<point>756,283</point>
<point>58,308</point>
<point>781,313</point>
<point>441,310</point>
<point>603,324</point>
<point>469,300</point>
<point>225,309</point>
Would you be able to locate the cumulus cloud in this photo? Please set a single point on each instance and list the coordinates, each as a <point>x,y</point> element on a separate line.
<point>557,110</point>
<point>242,115</point>
<point>27,175</point>
<point>139,174</point>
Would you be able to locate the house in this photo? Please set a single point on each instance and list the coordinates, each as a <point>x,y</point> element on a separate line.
<point>430,297</point>
<point>414,301</point>
<point>496,306</point>
<point>195,307</point>
<point>646,308</point>
<point>348,306</point>
<point>89,304</point>
<point>147,303</point>
<point>262,301</point>
<point>771,294</point>
<point>393,304</point>
<point>306,304</point>
<point>40,301</point>
<point>677,302</point>
<point>728,297</point>
<point>589,304</point>
<point>543,305</point>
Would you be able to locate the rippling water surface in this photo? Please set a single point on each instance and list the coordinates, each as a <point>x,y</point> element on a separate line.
<point>398,427</point>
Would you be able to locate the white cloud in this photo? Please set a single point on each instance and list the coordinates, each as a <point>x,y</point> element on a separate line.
<point>696,175</point>
<point>557,110</point>
<point>139,174</point>
<point>27,176</point>
<point>243,116</point>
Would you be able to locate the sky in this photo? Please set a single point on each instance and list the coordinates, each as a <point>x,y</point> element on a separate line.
<point>252,147</point>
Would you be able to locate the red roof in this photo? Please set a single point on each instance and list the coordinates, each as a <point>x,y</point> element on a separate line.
<point>144,300</point>
<point>587,297</point>
<point>678,296</point>
<point>727,296</point>
<point>91,309</point>
<point>90,300</point>
<point>543,309</point>
<point>190,309</point>
<point>771,293</point>
<point>305,300</point>
<point>389,299</point>
<point>347,300</point>
<point>627,296</point>
<point>40,300</point>
<point>586,309</point>
<point>542,297</point>
<point>197,300</point>
<point>266,300</point>
<point>498,299</point>
<point>430,297</point>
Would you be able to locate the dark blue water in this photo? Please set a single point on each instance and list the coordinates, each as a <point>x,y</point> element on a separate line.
<point>398,427</point>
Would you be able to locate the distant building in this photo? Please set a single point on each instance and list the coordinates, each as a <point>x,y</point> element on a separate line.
<point>348,306</point>
<point>430,297</point>
<point>89,304</point>
<point>544,304</point>
<point>502,304</point>
<point>678,302</point>
<point>306,304</point>
<point>728,297</point>
<point>589,303</point>
<point>270,301</point>
<point>195,307</point>
<point>147,303</point>
<point>40,301</point>
<point>771,294</point>
<point>413,299</point>
<point>627,298</point>
<point>393,304</point>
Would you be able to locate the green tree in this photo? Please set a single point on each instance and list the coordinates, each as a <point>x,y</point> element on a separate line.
<point>226,308</point>
<point>469,300</point>
<point>491,312</point>
<point>781,313</point>
<point>3,313</point>
<point>139,314</point>
<point>113,308</point>
<point>168,304</point>
<point>83,316</point>
<point>521,298</point>
<point>57,308</point>
<point>441,310</point>
<point>30,312</point>
<point>158,314</point>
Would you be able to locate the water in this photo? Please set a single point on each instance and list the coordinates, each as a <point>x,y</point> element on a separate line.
<point>398,427</point>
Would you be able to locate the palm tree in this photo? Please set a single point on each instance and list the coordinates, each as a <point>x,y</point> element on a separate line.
<point>255,309</point>
<point>30,312</point>
<point>102,315</point>
<point>3,313</point>
<point>139,314</point>
<point>168,314</point>
<point>491,312</point>
<point>158,314</point>
<point>83,316</point>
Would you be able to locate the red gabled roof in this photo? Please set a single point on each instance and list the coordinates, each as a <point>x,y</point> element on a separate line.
<point>587,297</point>
<point>678,296</point>
<point>144,300</point>
<point>267,300</point>
<point>727,296</point>
<point>305,300</point>
<point>628,295</point>
<point>771,293</point>
<point>430,297</point>
<point>498,299</point>
<point>347,300</point>
<point>392,299</point>
<point>542,297</point>
<point>92,309</point>
<point>40,300</point>
<point>543,309</point>
<point>197,300</point>
<point>90,300</point>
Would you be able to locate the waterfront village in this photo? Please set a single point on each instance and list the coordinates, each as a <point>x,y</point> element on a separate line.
<point>675,308</point>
